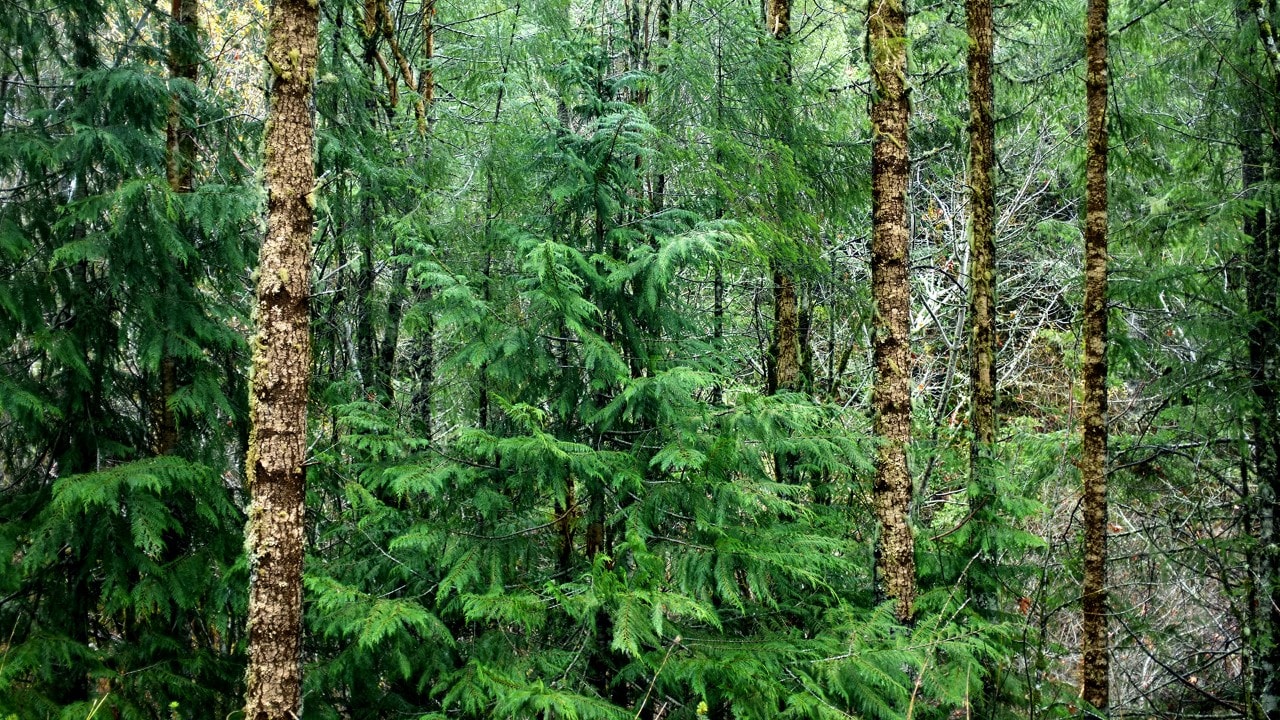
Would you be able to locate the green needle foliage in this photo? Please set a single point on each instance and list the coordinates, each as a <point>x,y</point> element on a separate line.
<point>546,476</point>
<point>119,588</point>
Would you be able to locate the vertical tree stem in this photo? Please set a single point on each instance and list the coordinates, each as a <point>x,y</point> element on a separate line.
<point>1094,671</point>
<point>891,292</point>
<point>281,371</point>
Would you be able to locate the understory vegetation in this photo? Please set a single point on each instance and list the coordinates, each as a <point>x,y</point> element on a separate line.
<point>559,461</point>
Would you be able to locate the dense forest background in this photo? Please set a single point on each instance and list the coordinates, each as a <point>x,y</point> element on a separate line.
<point>559,462</point>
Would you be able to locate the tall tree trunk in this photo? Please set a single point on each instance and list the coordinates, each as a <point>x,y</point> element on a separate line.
<point>1260,649</point>
<point>180,160</point>
<point>982,287</point>
<point>785,355</point>
<point>425,348</point>
<point>1262,291</point>
<point>281,370</point>
<point>891,293</point>
<point>658,194</point>
<point>184,63</point>
<point>1094,670</point>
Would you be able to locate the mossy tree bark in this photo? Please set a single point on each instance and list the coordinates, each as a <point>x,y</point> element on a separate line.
<point>982,295</point>
<point>1095,665</point>
<point>281,370</point>
<point>784,360</point>
<point>891,293</point>
<point>184,63</point>
<point>1262,296</point>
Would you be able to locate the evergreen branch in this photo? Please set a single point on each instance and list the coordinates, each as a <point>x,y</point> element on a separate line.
<point>654,681</point>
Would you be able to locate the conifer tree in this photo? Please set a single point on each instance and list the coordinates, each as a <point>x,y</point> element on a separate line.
<point>277,458</point>
<point>982,268</point>
<point>784,360</point>
<point>890,257</point>
<point>1095,666</point>
<point>1262,300</point>
<point>180,160</point>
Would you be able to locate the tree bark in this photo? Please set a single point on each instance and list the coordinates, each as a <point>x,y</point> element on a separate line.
<point>891,294</point>
<point>785,350</point>
<point>982,273</point>
<point>281,371</point>
<point>184,63</point>
<point>180,161</point>
<point>1262,295</point>
<point>1094,671</point>
<point>981,236</point>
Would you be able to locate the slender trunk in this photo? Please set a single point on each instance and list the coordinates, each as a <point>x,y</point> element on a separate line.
<point>427,78</point>
<point>891,294</point>
<point>1094,671</point>
<point>425,357</point>
<point>785,350</point>
<point>982,579</point>
<point>1262,290</point>
<point>180,159</point>
<point>391,337</point>
<point>659,191</point>
<point>717,310</point>
<point>366,357</point>
<point>184,59</point>
<point>982,269</point>
<point>281,370</point>
<point>785,368</point>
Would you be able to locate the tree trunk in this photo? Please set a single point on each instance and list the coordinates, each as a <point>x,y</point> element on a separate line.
<point>180,160</point>
<point>1262,293</point>
<point>981,237</point>
<point>1094,671</point>
<point>281,370</point>
<point>982,271</point>
<point>1261,513</point>
<point>891,293</point>
<point>184,63</point>
<point>785,351</point>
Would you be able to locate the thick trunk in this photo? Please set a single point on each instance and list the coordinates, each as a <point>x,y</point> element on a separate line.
<point>281,370</point>
<point>1094,671</point>
<point>891,293</point>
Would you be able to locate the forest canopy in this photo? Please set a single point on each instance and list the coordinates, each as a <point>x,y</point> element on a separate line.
<point>639,359</point>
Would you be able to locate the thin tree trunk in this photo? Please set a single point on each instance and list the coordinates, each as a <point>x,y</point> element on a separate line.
<point>180,160</point>
<point>1262,290</point>
<point>1094,671</point>
<point>281,370</point>
<point>659,190</point>
<point>982,235</point>
<point>425,355</point>
<point>982,269</point>
<point>982,578</point>
<point>891,293</point>
<point>717,308</point>
<point>184,63</point>
<point>785,351</point>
